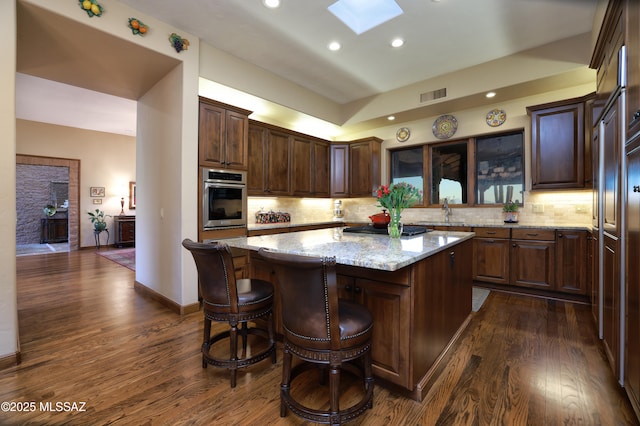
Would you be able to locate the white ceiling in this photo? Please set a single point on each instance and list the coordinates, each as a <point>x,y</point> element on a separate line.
<point>441,37</point>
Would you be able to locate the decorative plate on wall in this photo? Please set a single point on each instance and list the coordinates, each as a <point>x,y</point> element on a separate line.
<point>445,126</point>
<point>496,117</point>
<point>403,134</point>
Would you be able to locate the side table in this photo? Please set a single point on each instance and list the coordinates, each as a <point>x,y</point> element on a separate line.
<point>96,235</point>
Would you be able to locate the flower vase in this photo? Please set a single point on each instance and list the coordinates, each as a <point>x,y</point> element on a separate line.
<point>394,228</point>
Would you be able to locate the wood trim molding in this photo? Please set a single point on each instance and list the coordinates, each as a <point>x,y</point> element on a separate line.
<point>10,360</point>
<point>165,301</point>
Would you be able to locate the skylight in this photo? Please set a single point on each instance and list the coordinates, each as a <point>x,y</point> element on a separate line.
<point>362,15</point>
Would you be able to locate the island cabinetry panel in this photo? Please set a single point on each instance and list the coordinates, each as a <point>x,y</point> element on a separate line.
<point>571,266</point>
<point>558,145</point>
<point>491,248</point>
<point>222,135</point>
<point>125,230</point>
<point>364,167</point>
<point>594,261</point>
<point>612,146</point>
<point>533,258</point>
<point>417,311</point>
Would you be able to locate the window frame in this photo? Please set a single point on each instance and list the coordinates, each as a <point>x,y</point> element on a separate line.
<point>427,175</point>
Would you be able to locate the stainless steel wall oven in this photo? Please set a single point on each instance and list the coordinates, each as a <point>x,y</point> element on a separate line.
<point>224,198</point>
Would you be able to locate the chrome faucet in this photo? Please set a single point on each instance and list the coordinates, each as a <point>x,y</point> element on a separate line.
<point>447,210</point>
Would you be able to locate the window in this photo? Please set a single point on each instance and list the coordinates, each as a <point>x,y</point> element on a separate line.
<point>499,169</point>
<point>485,170</point>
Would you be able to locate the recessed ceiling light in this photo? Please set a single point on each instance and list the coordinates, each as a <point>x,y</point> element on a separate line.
<point>397,42</point>
<point>490,94</point>
<point>334,45</point>
<point>391,117</point>
<point>272,4</point>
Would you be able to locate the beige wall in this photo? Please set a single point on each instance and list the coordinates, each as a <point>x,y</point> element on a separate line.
<point>9,345</point>
<point>106,160</point>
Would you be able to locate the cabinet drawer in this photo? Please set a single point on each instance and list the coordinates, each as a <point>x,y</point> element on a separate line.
<point>492,232</point>
<point>533,234</point>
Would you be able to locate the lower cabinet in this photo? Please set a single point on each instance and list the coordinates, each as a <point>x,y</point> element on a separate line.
<point>543,259</point>
<point>533,258</point>
<point>611,301</point>
<point>125,230</point>
<point>54,230</point>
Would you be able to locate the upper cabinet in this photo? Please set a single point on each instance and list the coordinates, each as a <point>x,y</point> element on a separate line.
<point>364,166</point>
<point>269,161</point>
<point>561,144</point>
<point>310,167</point>
<point>632,11</point>
<point>223,135</point>
<point>340,170</point>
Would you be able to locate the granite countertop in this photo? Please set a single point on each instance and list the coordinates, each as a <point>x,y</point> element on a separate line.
<point>363,250</point>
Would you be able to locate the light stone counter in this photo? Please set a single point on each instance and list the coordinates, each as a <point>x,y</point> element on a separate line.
<point>363,250</point>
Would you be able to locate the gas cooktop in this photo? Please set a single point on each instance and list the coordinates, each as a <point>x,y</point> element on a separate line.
<point>369,229</point>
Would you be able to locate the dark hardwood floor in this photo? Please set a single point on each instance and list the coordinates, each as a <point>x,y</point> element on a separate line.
<point>88,337</point>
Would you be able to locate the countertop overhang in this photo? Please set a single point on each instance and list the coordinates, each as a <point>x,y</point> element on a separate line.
<point>361,250</point>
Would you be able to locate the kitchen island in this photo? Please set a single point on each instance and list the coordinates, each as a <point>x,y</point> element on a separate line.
<point>417,288</point>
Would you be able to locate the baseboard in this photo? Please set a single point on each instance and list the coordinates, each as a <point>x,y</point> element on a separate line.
<point>10,360</point>
<point>165,301</point>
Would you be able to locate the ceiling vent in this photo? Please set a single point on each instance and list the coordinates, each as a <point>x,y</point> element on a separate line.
<point>433,95</point>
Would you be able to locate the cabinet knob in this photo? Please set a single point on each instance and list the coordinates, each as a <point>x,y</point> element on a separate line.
<point>452,259</point>
<point>636,188</point>
<point>348,288</point>
<point>560,235</point>
<point>636,115</point>
<point>357,290</point>
<point>515,245</point>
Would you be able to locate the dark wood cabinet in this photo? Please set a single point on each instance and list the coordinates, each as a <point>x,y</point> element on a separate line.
<point>594,261</point>
<point>340,170</point>
<point>611,301</point>
<point>222,135</point>
<point>54,230</point>
<point>532,258</point>
<point>125,230</point>
<point>559,145</point>
<point>364,167</point>
<point>571,267</point>
<point>269,161</point>
<point>611,147</point>
<point>491,248</point>
<point>632,300</point>
<point>632,27</point>
<point>310,167</point>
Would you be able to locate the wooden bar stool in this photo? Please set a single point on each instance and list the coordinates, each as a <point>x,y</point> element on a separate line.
<point>236,302</point>
<point>321,330</point>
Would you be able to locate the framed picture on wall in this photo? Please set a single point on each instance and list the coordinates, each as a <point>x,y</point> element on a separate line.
<point>132,195</point>
<point>96,191</point>
<point>97,201</point>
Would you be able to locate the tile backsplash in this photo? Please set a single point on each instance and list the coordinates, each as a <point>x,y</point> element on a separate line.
<point>540,208</point>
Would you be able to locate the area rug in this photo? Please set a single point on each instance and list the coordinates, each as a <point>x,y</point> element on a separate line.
<point>125,256</point>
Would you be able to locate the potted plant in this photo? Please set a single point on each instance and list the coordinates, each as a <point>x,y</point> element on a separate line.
<point>510,210</point>
<point>98,219</point>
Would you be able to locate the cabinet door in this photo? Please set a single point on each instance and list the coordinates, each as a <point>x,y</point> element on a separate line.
<point>321,166</point>
<point>278,163</point>
<point>632,341</point>
<point>532,264</point>
<point>256,174</point>
<point>632,27</point>
<point>611,146</point>
<point>364,168</point>
<point>211,134</point>
<point>340,170</point>
<point>302,165</point>
<point>235,149</point>
<point>571,262</point>
<point>611,301</point>
<point>491,260</point>
<point>557,147</point>
<point>595,277</point>
<point>389,306</point>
